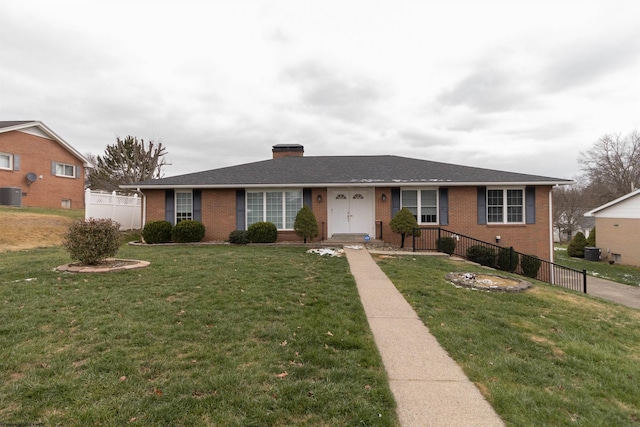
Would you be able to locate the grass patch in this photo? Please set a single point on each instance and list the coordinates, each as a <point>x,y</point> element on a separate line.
<point>67,213</point>
<point>624,274</point>
<point>547,356</point>
<point>206,335</point>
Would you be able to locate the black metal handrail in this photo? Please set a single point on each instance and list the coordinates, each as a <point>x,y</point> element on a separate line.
<point>507,259</point>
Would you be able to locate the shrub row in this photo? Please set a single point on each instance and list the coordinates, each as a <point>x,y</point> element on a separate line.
<point>504,259</point>
<point>186,231</point>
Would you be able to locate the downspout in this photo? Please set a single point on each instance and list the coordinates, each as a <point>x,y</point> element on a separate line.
<point>551,248</point>
<point>144,209</point>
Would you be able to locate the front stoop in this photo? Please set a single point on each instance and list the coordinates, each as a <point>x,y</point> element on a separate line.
<point>349,239</point>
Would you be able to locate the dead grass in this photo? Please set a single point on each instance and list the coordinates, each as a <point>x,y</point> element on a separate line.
<point>24,230</point>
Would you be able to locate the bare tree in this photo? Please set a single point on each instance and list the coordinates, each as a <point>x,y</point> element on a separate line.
<point>613,163</point>
<point>569,206</point>
<point>126,162</point>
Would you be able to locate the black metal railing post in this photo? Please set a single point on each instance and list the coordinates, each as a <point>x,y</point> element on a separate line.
<point>584,281</point>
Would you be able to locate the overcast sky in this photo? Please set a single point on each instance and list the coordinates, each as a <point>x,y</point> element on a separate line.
<point>512,85</point>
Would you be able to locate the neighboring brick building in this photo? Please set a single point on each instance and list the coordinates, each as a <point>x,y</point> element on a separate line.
<point>360,195</point>
<point>618,229</point>
<point>38,168</point>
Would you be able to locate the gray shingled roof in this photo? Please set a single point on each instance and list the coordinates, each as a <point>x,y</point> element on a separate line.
<point>344,170</point>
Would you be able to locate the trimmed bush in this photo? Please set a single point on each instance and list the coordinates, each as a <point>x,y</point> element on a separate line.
<point>157,232</point>
<point>92,240</point>
<point>305,224</point>
<point>239,237</point>
<point>187,231</point>
<point>263,232</point>
<point>577,245</point>
<point>403,223</point>
<point>446,245</point>
<point>507,260</point>
<point>530,265</point>
<point>483,255</point>
<point>591,240</point>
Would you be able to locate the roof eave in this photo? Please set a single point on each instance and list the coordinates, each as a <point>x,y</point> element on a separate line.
<point>398,183</point>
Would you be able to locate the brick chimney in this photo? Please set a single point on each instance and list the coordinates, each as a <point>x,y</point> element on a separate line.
<point>287,150</point>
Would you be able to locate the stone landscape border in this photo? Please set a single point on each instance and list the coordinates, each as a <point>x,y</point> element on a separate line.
<point>108,265</point>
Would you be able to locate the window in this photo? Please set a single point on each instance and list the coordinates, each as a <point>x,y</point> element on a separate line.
<point>65,170</point>
<point>505,205</point>
<point>6,161</point>
<point>423,204</point>
<point>66,204</point>
<point>279,207</point>
<point>184,205</point>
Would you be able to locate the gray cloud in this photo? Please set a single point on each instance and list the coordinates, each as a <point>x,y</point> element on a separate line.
<point>487,89</point>
<point>329,92</point>
<point>590,59</point>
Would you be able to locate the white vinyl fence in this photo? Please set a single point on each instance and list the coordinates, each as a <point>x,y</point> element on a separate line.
<point>125,210</point>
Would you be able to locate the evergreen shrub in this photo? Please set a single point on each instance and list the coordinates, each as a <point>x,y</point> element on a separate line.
<point>305,224</point>
<point>530,265</point>
<point>239,237</point>
<point>157,232</point>
<point>507,260</point>
<point>483,255</point>
<point>591,240</point>
<point>90,241</point>
<point>263,232</point>
<point>577,245</point>
<point>187,231</point>
<point>446,245</point>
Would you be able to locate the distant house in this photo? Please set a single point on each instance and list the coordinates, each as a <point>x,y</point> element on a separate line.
<point>38,168</point>
<point>618,229</point>
<point>359,195</point>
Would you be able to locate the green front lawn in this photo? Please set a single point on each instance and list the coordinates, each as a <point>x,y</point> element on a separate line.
<point>615,272</point>
<point>204,336</point>
<point>545,357</point>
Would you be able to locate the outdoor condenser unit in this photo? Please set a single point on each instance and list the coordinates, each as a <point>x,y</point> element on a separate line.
<point>11,196</point>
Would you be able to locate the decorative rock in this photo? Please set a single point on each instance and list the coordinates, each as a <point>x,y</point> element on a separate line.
<point>488,282</point>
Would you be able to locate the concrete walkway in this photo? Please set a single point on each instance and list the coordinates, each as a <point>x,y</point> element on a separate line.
<point>429,387</point>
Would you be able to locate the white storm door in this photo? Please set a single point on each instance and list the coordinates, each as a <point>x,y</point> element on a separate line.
<point>351,211</point>
<point>339,212</point>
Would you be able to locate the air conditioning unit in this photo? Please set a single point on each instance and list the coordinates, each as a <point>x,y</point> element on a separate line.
<point>11,196</point>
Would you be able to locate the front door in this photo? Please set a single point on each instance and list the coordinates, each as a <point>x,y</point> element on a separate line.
<point>351,211</point>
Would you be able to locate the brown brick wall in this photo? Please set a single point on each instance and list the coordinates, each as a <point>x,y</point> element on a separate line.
<point>36,154</point>
<point>219,218</point>
<point>619,236</point>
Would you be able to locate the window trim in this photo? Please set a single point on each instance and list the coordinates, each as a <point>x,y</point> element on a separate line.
<point>175,205</point>
<point>10,157</point>
<point>419,202</point>
<point>505,206</point>
<point>264,192</point>
<point>64,165</point>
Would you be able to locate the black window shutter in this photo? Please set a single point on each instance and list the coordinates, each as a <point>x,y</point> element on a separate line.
<point>530,202</point>
<point>444,206</point>
<point>395,201</point>
<point>240,210</point>
<point>16,162</point>
<point>482,205</point>
<point>197,205</point>
<point>306,197</point>
<point>169,207</point>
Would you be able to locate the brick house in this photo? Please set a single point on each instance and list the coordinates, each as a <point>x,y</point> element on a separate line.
<point>618,228</point>
<point>38,168</point>
<point>359,195</point>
